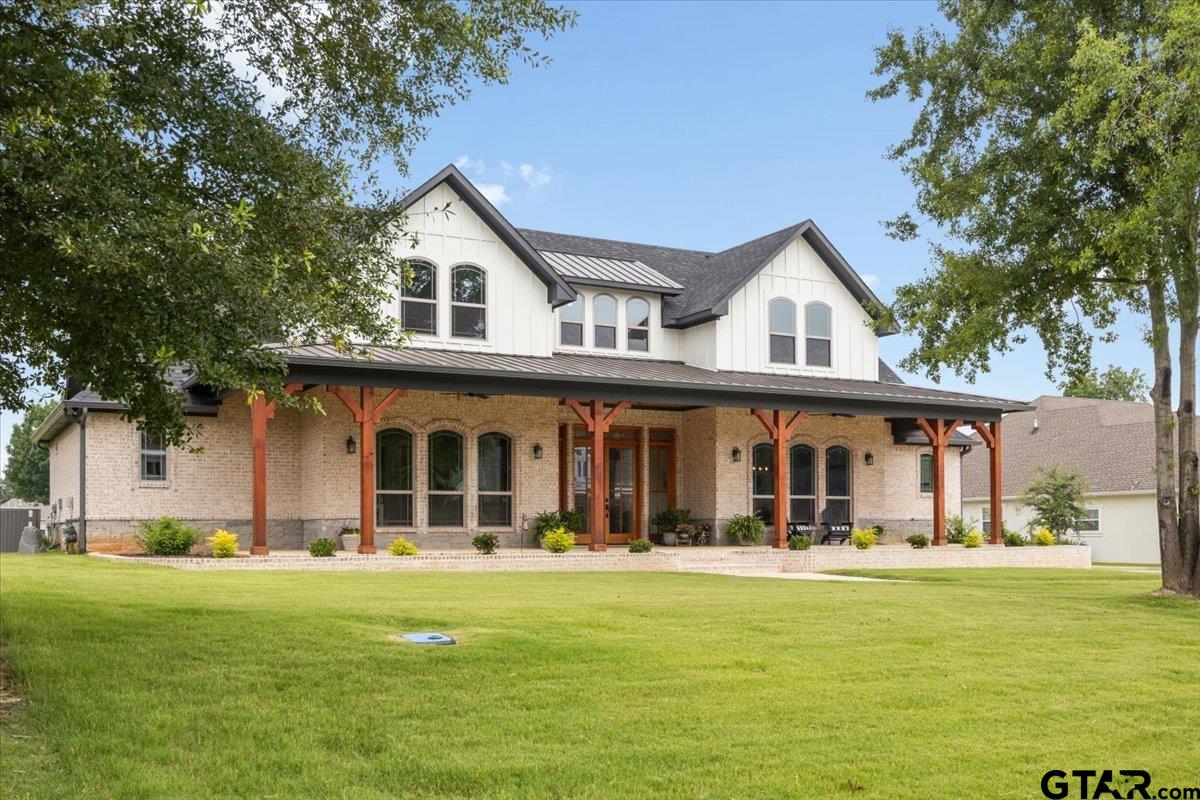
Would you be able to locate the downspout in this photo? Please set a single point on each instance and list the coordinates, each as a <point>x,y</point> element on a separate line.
<point>80,415</point>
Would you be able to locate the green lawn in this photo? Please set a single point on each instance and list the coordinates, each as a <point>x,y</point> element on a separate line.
<point>146,682</point>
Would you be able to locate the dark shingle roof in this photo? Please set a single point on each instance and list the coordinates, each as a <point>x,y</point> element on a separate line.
<point>887,374</point>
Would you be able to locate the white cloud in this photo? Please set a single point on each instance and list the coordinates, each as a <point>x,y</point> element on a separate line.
<point>495,192</point>
<point>465,162</point>
<point>871,280</point>
<point>536,177</point>
<point>506,168</point>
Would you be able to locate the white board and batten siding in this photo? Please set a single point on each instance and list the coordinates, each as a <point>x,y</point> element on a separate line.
<point>740,339</point>
<point>519,318</point>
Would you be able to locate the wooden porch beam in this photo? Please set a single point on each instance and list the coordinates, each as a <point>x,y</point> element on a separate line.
<point>780,429</point>
<point>598,422</point>
<point>990,433</point>
<point>939,432</point>
<point>261,412</point>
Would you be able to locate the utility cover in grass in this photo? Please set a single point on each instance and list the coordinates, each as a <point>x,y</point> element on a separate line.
<point>428,638</point>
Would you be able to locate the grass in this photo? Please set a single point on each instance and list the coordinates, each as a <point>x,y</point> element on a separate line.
<point>146,682</point>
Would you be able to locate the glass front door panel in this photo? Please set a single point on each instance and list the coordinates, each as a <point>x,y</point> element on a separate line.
<point>583,480</point>
<point>621,497</point>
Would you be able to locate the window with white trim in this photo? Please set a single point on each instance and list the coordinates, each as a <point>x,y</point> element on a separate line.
<point>604,326</point>
<point>1089,522</point>
<point>637,325</point>
<point>818,335</point>
<point>445,479</point>
<point>986,518</point>
<point>394,477</point>
<point>495,480</point>
<point>570,323</point>
<point>153,457</point>
<point>468,303</point>
<point>781,329</point>
<point>418,304</point>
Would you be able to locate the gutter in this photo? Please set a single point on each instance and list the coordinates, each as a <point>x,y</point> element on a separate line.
<point>80,417</point>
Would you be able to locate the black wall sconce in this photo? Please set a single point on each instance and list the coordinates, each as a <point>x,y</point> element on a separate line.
<point>869,458</point>
<point>537,450</point>
<point>737,454</point>
<point>351,445</point>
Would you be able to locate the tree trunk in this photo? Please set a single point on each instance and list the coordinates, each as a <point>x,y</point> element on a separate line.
<point>1164,447</point>
<point>1188,291</point>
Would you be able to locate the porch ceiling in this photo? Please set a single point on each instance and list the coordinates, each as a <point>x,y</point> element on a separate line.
<point>638,380</point>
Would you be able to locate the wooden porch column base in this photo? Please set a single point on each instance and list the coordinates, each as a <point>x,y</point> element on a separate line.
<point>781,433</point>
<point>598,422</point>
<point>939,432</point>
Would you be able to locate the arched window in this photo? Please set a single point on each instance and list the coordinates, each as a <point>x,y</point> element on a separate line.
<point>570,323</point>
<point>495,480</point>
<point>781,322</point>
<point>837,485</point>
<point>818,335</point>
<point>604,314</point>
<point>153,457</point>
<point>637,325</point>
<point>762,482</point>
<point>394,477</point>
<point>802,478</point>
<point>468,303</point>
<point>445,479</point>
<point>418,306</point>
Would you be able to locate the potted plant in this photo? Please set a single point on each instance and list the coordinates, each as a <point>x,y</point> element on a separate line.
<point>350,538</point>
<point>687,532</point>
<point>667,522</point>
<point>746,529</point>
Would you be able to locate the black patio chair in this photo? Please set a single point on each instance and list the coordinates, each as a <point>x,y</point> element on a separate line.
<point>796,528</point>
<point>837,531</point>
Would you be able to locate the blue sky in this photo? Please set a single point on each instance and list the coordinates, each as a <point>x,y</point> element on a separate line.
<point>703,125</point>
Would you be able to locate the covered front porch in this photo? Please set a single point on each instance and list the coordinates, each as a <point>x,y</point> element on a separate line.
<point>437,452</point>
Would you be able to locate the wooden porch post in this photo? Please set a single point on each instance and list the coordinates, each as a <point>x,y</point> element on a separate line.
<point>939,432</point>
<point>990,433</point>
<point>598,422</point>
<point>781,433</point>
<point>367,413</point>
<point>258,484</point>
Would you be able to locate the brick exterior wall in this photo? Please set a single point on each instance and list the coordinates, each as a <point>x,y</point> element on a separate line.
<point>313,482</point>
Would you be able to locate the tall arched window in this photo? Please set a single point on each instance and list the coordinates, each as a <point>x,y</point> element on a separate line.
<point>394,477</point>
<point>762,482</point>
<point>604,317</point>
<point>837,484</point>
<point>445,478</point>
<point>637,325</point>
<point>802,477</point>
<point>570,323</point>
<point>818,335</point>
<point>781,322</point>
<point>468,303</point>
<point>495,480</point>
<point>418,306</point>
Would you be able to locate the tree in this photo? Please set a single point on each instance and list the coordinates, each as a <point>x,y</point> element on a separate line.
<point>1113,384</point>
<point>1057,150</point>
<point>157,209</point>
<point>1055,496</point>
<point>27,473</point>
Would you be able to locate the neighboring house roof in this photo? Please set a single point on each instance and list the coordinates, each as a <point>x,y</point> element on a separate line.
<point>1109,441</point>
<point>887,374</point>
<point>617,273</point>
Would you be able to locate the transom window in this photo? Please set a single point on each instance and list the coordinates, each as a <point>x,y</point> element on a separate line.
<point>604,313</point>
<point>394,477</point>
<point>570,323</point>
<point>495,480</point>
<point>445,479</point>
<point>818,335</point>
<point>468,303</point>
<point>1089,522</point>
<point>837,485</point>
<point>926,472</point>
<point>803,480</point>
<point>418,306</point>
<point>762,482</point>
<point>781,323</point>
<point>153,458</point>
<point>637,324</point>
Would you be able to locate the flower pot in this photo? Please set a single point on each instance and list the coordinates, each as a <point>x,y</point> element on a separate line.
<point>669,538</point>
<point>350,542</point>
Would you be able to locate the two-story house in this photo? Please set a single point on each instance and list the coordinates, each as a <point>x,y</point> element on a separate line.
<point>554,371</point>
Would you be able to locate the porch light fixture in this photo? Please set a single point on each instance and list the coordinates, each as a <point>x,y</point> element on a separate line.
<point>869,458</point>
<point>737,454</point>
<point>351,446</point>
<point>537,450</point>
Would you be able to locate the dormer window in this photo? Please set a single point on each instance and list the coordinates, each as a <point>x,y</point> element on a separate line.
<point>468,303</point>
<point>637,323</point>
<point>604,332</point>
<point>418,306</point>
<point>570,323</point>
<point>818,335</point>
<point>781,322</point>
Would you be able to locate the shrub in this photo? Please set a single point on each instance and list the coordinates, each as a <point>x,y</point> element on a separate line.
<point>322,548</point>
<point>486,543</point>
<point>957,528</point>
<point>746,529</point>
<point>559,540</point>
<point>1055,497</point>
<point>670,519</point>
<point>572,520</point>
<point>640,546</point>
<point>918,541</point>
<point>167,536</point>
<point>1043,537</point>
<point>1014,539</point>
<point>224,544</point>
<point>402,547</point>
<point>863,538</point>
<point>879,531</point>
<point>973,539</point>
<point>799,541</point>
<point>547,521</point>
